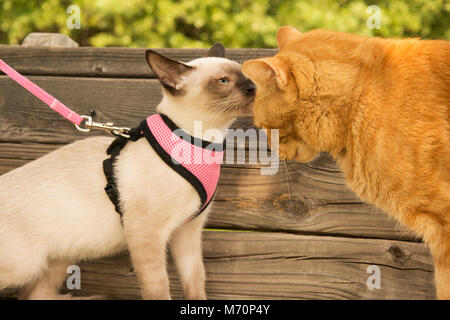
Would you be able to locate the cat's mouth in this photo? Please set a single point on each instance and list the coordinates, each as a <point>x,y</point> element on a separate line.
<point>237,107</point>
<point>246,109</point>
<point>248,97</point>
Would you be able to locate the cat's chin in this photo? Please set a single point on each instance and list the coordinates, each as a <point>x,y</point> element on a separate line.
<point>298,152</point>
<point>305,153</point>
<point>306,157</point>
<point>242,112</point>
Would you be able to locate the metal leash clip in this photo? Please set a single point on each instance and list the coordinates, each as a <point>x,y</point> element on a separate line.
<point>108,127</point>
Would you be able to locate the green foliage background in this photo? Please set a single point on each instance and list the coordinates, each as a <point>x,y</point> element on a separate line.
<point>200,23</point>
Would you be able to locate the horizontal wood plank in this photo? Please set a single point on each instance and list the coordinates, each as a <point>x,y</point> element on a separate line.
<point>27,119</point>
<point>307,198</point>
<point>124,101</point>
<point>254,265</point>
<point>104,62</point>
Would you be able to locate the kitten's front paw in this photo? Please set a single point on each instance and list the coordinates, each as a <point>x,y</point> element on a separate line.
<point>95,297</point>
<point>154,295</point>
<point>69,296</point>
<point>196,295</point>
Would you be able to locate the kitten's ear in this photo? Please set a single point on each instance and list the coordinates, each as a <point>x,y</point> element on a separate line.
<point>286,35</point>
<point>217,50</point>
<point>168,71</point>
<point>265,69</point>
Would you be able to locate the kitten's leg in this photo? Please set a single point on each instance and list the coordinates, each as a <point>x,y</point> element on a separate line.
<point>47,286</point>
<point>147,242</point>
<point>186,248</point>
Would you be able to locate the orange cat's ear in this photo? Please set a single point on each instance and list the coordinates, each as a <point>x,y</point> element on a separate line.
<point>286,35</point>
<point>262,70</point>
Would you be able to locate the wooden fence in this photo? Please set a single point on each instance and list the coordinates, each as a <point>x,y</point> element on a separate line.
<point>298,234</point>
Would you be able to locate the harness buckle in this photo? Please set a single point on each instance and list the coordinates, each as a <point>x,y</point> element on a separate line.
<point>89,124</point>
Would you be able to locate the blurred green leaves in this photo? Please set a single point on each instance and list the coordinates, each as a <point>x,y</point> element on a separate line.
<point>200,23</point>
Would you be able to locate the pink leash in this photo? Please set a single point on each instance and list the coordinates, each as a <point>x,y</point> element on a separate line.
<point>59,107</point>
<point>41,94</point>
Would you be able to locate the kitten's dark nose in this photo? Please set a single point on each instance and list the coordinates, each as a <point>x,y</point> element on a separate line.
<point>246,85</point>
<point>250,88</point>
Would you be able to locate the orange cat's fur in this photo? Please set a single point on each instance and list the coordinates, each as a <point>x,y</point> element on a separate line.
<point>381,108</point>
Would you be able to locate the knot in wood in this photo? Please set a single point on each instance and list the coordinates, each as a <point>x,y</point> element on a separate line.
<point>98,69</point>
<point>399,254</point>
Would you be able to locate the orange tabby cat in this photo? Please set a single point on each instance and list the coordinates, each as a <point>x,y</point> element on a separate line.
<point>381,108</point>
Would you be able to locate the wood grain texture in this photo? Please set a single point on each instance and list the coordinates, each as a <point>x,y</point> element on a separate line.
<point>255,265</point>
<point>312,198</point>
<point>27,119</point>
<point>126,102</point>
<point>104,62</point>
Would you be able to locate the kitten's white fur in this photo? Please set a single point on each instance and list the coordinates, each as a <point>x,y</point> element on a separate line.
<point>54,210</point>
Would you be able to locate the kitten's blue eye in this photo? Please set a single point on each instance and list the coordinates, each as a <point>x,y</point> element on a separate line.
<point>224,80</point>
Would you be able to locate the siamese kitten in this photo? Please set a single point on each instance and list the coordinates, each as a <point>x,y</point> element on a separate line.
<point>54,211</point>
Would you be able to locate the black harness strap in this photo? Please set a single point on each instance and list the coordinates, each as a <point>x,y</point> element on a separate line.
<point>142,130</point>
<point>108,165</point>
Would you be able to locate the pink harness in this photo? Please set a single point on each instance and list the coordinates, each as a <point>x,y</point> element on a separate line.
<point>200,158</point>
<point>196,160</point>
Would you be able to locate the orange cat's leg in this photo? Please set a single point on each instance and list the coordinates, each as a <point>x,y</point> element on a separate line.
<point>439,243</point>
<point>441,254</point>
<point>442,276</point>
<point>436,233</point>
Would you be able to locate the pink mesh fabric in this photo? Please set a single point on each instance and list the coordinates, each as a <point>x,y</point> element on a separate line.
<point>202,163</point>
